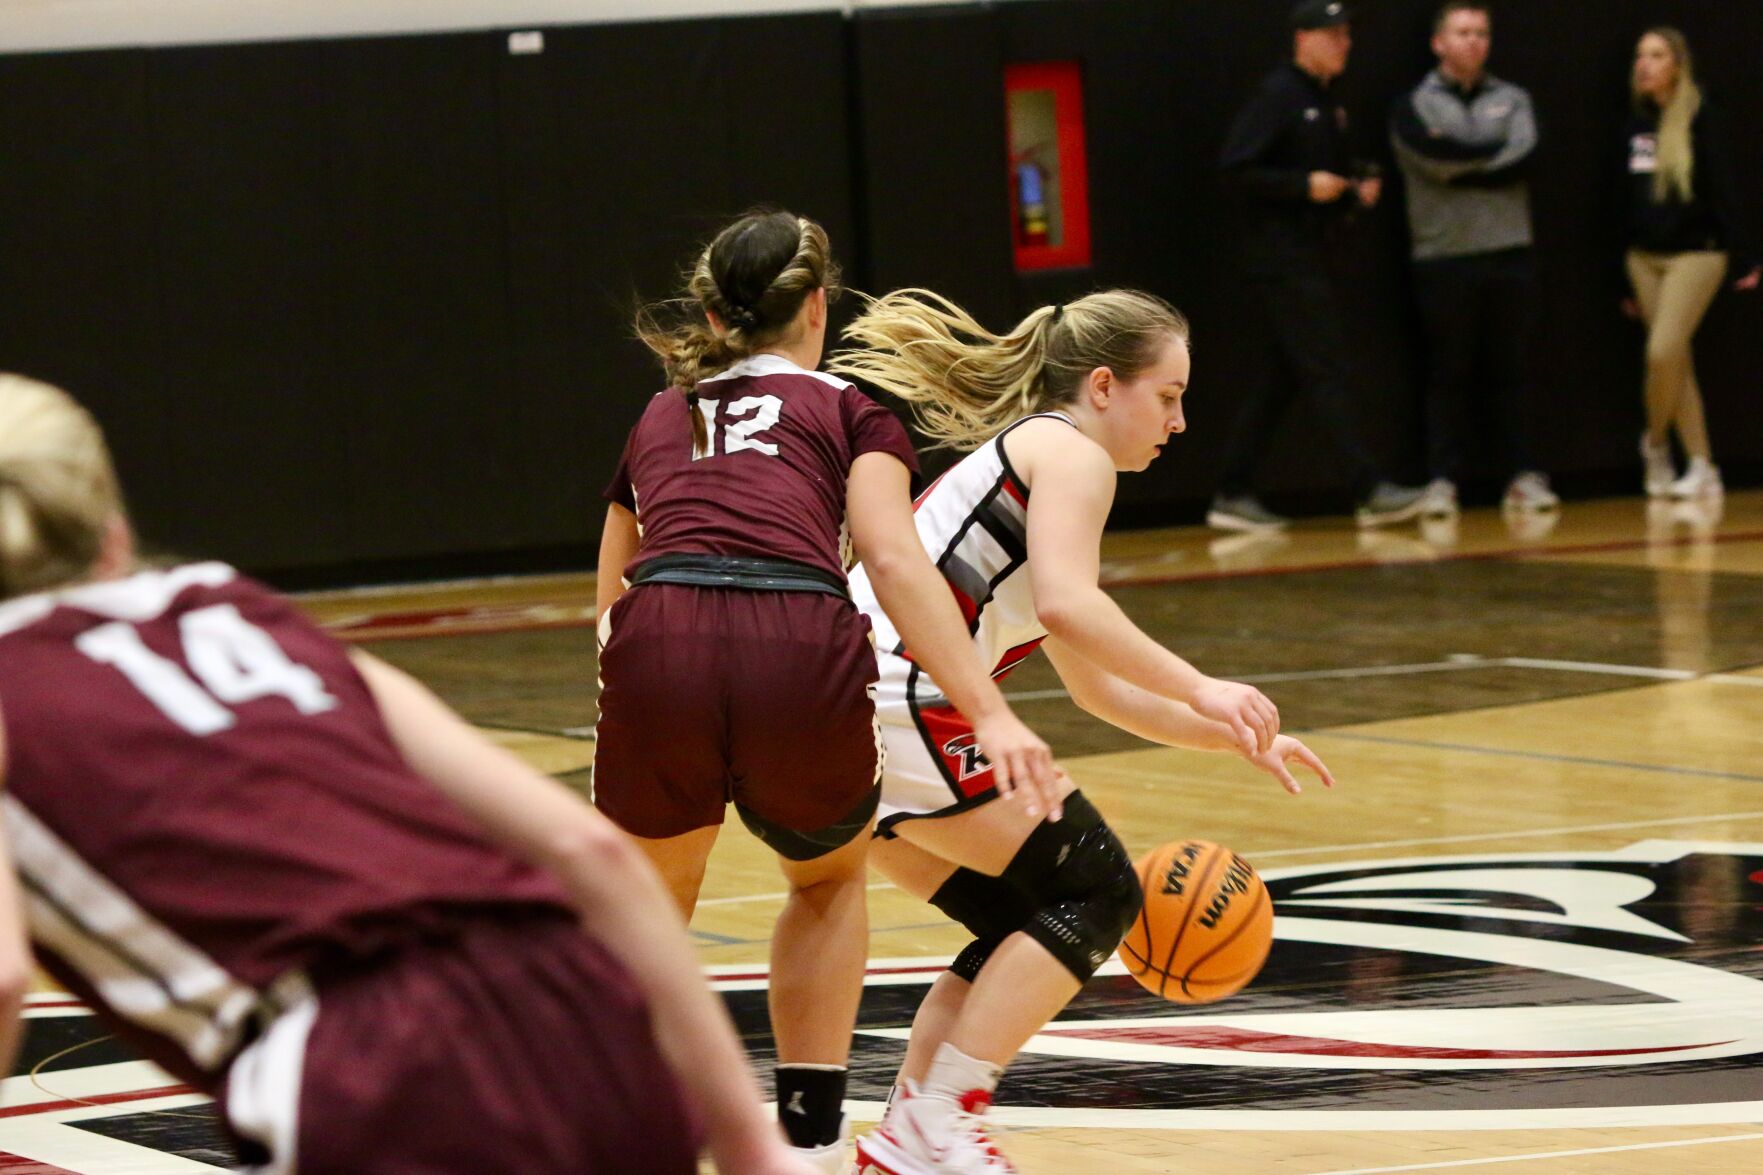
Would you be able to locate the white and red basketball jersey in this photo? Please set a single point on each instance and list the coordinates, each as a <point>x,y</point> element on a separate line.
<point>973,522</point>
<point>203,804</point>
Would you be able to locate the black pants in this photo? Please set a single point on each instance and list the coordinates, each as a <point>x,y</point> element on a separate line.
<point>1301,309</point>
<point>1478,313</point>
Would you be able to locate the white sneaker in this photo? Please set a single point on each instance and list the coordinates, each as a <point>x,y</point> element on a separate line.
<point>1440,498</point>
<point>927,1134</point>
<point>1245,513</point>
<point>1530,491</point>
<point>1660,473</point>
<point>833,1158</point>
<point>1438,530</point>
<point>1701,481</point>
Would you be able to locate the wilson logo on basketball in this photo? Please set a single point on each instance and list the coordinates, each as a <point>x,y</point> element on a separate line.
<point>1237,880</point>
<point>1176,875</point>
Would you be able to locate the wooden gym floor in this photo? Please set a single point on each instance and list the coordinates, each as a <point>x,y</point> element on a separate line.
<point>1522,933</point>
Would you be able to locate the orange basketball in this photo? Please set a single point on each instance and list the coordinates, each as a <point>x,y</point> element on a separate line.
<point>1206,925</point>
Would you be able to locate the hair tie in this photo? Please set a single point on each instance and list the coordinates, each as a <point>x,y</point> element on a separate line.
<point>692,400</point>
<point>742,317</point>
<point>1058,311</point>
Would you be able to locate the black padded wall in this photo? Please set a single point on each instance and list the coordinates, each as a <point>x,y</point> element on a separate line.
<point>624,147</point>
<point>363,303</point>
<point>332,298</point>
<point>247,286</point>
<point>931,135</point>
<point>1162,79</point>
<point>79,249</point>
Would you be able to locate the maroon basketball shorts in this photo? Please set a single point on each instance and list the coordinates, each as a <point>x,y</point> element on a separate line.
<point>520,1046</point>
<point>714,695</point>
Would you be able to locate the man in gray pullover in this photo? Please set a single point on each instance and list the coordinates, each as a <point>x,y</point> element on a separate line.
<point>1464,140</point>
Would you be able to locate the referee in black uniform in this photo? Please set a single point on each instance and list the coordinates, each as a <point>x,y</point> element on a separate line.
<point>1286,165</point>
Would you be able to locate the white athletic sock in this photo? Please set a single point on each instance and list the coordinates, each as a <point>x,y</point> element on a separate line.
<point>953,1073</point>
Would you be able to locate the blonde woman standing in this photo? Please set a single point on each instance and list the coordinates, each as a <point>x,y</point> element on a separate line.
<point>1052,410</point>
<point>1687,232</point>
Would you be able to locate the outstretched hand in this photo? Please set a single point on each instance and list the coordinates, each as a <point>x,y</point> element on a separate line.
<point>1250,714</point>
<point>1022,764</point>
<point>1286,750</point>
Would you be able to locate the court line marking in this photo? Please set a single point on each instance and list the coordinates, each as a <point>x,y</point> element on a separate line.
<point>766,897</point>
<point>1598,1150</point>
<point>1468,837</point>
<point>1361,846</point>
<point>1118,570</point>
<point>1118,573</point>
<point>1540,756</point>
<point>1457,663</point>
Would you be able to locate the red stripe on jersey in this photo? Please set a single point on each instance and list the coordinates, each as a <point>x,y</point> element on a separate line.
<point>1015,490</point>
<point>920,499</point>
<point>11,1164</point>
<point>1014,657</point>
<point>962,600</point>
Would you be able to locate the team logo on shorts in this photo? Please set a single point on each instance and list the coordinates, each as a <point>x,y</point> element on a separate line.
<point>964,754</point>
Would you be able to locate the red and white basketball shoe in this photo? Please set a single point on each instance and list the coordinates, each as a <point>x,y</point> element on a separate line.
<point>930,1134</point>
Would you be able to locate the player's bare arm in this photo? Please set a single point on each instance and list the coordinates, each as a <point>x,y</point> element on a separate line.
<point>15,949</point>
<point>618,546</point>
<point>1071,490</point>
<point>917,599</point>
<point>620,898</point>
<point>1161,720</point>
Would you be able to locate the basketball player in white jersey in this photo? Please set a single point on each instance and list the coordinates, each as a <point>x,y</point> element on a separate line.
<point>1052,411</point>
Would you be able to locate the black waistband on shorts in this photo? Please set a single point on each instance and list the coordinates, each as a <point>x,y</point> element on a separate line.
<point>740,572</point>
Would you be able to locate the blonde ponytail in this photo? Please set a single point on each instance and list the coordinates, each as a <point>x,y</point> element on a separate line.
<point>965,383</point>
<point>58,488</point>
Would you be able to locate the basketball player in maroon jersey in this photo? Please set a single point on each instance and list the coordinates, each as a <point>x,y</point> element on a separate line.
<point>295,879</point>
<point>734,667</point>
<point>1052,410</point>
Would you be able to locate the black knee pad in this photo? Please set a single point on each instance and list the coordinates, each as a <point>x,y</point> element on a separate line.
<point>1071,887</point>
<point>991,908</point>
<point>972,959</point>
<point>1082,885</point>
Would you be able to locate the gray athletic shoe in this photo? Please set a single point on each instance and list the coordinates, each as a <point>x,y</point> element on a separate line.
<point>1389,502</point>
<point>1440,500</point>
<point>1243,512</point>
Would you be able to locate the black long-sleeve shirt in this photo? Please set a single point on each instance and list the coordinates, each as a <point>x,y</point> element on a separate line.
<point>1291,126</point>
<point>1714,217</point>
